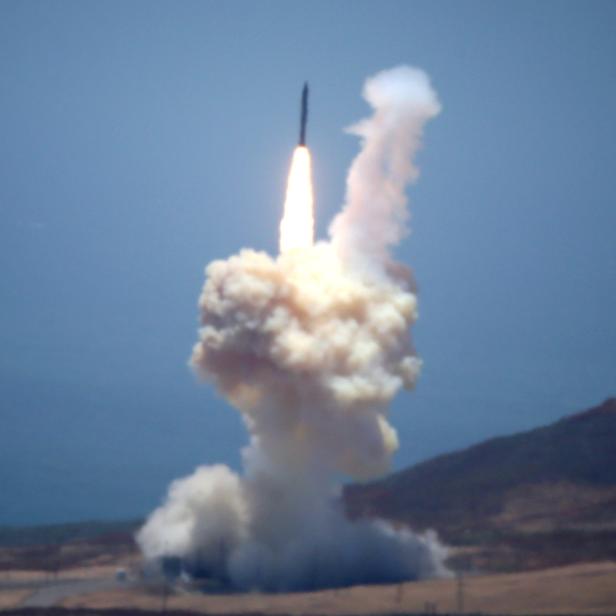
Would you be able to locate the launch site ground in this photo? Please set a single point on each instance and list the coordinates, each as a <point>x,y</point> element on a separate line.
<point>583,588</point>
<point>109,579</point>
<point>580,589</point>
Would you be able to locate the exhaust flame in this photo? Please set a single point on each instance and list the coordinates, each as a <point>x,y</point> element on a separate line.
<point>297,224</point>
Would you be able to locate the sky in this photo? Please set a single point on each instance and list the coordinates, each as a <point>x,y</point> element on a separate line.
<point>141,140</point>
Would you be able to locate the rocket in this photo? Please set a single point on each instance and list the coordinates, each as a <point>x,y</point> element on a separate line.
<point>303,116</point>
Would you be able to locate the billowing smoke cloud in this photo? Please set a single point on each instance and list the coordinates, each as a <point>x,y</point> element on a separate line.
<point>311,346</point>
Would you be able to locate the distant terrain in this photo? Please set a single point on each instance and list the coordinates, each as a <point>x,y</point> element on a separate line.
<point>541,498</point>
<point>57,547</point>
<point>530,519</point>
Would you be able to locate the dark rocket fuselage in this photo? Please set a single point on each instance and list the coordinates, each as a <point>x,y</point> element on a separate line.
<point>303,116</point>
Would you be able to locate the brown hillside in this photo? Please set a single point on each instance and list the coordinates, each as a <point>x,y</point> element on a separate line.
<point>542,497</point>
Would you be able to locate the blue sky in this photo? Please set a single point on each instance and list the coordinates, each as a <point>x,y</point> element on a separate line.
<point>141,140</point>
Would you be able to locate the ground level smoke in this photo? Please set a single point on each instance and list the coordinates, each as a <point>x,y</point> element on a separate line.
<point>311,347</point>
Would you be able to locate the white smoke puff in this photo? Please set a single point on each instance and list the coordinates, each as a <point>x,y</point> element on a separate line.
<point>206,509</point>
<point>311,347</point>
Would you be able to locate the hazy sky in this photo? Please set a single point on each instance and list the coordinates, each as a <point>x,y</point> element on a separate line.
<point>141,140</point>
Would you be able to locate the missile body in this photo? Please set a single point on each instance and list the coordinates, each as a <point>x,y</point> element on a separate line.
<point>303,116</point>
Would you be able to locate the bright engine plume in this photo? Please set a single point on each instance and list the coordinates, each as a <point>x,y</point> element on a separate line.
<point>311,346</point>
<point>297,224</point>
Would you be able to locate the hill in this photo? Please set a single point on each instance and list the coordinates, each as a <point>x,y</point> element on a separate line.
<point>539,498</point>
<point>542,498</point>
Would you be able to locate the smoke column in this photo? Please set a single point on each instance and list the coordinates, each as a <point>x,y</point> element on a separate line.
<point>311,347</point>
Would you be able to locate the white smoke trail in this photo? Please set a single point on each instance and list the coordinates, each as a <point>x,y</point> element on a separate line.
<point>311,347</point>
<point>374,217</point>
